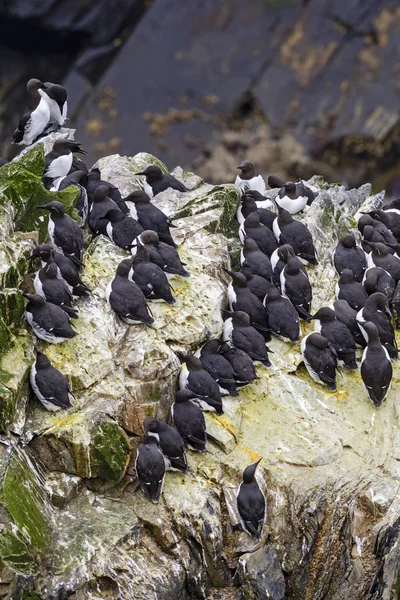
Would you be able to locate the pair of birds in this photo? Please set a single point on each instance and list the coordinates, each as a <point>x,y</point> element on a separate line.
<point>163,448</point>
<point>46,111</point>
<point>294,197</point>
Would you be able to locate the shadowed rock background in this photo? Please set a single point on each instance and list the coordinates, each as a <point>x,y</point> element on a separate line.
<point>300,87</point>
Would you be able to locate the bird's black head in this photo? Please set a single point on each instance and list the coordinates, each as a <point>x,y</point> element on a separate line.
<point>379,301</point>
<point>378,249</point>
<point>58,93</point>
<point>247,271</point>
<point>317,340</point>
<point>275,182</point>
<point>368,233</point>
<point>364,221</point>
<point>34,299</point>
<point>44,251</point>
<point>324,314</point>
<point>211,347</point>
<point>94,174</point>
<point>101,193</point>
<point>253,220</point>
<point>34,85</point>
<point>371,331</point>
<point>250,245</point>
<point>42,362</point>
<point>138,197</point>
<point>348,241</point>
<point>273,295</point>
<point>250,471</point>
<point>150,439</point>
<point>124,268</point>
<point>284,216</point>
<point>285,252</point>
<point>150,424</point>
<point>152,174</point>
<point>346,276</point>
<point>63,147</point>
<point>148,237</point>
<point>56,209</point>
<point>193,363</point>
<point>114,215</point>
<point>290,187</point>
<point>292,266</point>
<point>240,318</point>
<point>79,176</point>
<point>238,279</point>
<point>247,170</point>
<point>184,395</point>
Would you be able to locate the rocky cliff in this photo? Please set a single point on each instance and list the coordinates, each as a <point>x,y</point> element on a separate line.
<point>73,520</point>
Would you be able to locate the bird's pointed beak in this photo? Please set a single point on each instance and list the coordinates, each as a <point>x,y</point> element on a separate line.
<point>81,151</point>
<point>140,173</point>
<point>228,271</point>
<point>227,312</point>
<point>42,207</point>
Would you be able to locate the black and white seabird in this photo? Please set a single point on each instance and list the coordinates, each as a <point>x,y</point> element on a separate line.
<point>52,288</point>
<point>156,181</point>
<point>251,256</point>
<point>347,315</point>
<point>377,279</point>
<point>282,317</point>
<point>239,333</point>
<point>241,362</point>
<point>149,216</point>
<point>279,259</point>
<point>320,359</point>
<point>218,367</point>
<point>195,378</point>
<point>160,253</point>
<point>151,278</point>
<point>150,468</point>
<point>189,420</point>
<point>35,120</point>
<point>381,233</point>
<point>296,286</point>
<point>58,162</point>
<point>49,385</point>
<point>241,298</point>
<point>65,233</point>
<point>256,284</point>
<point>79,180</point>
<point>122,229</point>
<point>170,443</point>
<point>347,255</point>
<point>67,270</point>
<point>389,217</point>
<point>127,299</point>
<point>95,181</point>
<point>48,321</point>
<point>347,288</point>
<point>381,257</point>
<point>376,310</point>
<point>56,96</point>
<point>251,202</point>
<point>292,197</point>
<point>337,334</point>
<point>262,235</point>
<point>251,503</point>
<point>376,367</point>
<point>98,209</point>
<point>289,231</point>
<point>249,179</point>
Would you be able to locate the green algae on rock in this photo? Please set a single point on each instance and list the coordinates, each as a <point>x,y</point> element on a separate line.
<point>15,553</point>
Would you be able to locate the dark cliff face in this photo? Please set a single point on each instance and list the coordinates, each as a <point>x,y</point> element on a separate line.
<point>175,78</point>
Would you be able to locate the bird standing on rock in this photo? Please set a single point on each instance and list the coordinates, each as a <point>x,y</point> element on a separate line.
<point>376,310</point>
<point>150,278</point>
<point>320,359</point>
<point>195,378</point>
<point>251,256</point>
<point>94,181</point>
<point>127,299</point>
<point>282,317</point>
<point>170,442</point>
<point>241,362</point>
<point>67,271</point>
<point>289,231</point>
<point>292,197</point>
<point>53,289</point>
<point>122,229</point>
<point>163,255</point>
<point>49,385</point>
<point>58,162</point>
<point>149,216</point>
<point>262,235</point>
<point>241,298</point>
<point>251,503</point>
<point>35,120</point>
<point>156,181</point>
<point>218,367</point>
<point>48,321</point>
<point>376,367</point>
<point>296,286</point>
<point>64,232</point>
<point>189,420</point>
<point>338,336</point>
<point>239,333</point>
<point>150,468</point>
<point>347,288</point>
<point>249,179</point>
<point>347,255</point>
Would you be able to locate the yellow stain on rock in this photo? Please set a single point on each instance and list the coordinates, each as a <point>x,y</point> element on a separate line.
<point>253,455</point>
<point>226,424</point>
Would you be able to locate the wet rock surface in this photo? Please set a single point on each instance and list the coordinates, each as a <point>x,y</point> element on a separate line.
<point>74,522</point>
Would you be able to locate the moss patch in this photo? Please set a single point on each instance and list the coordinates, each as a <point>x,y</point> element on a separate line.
<point>15,553</point>
<point>112,450</point>
<point>24,498</point>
